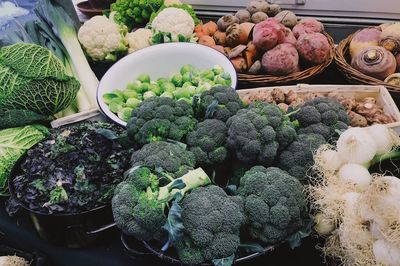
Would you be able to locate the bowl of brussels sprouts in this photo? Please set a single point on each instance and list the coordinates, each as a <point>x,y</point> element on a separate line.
<point>175,70</point>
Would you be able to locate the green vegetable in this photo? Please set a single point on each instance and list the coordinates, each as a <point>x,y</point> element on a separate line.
<point>167,94</point>
<point>140,201</point>
<point>297,158</point>
<point>135,86</point>
<point>207,74</point>
<point>148,94</point>
<point>130,94</point>
<point>171,158</point>
<point>144,78</point>
<point>274,203</point>
<point>208,142</point>
<point>131,12</point>
<point>32,78</point>
<point>18,118</point>
<point>257,133</point>
<point>111,97</point>
<point>177,80</point>
<point>186,69</point>
<point>187,77</point>
<point>322,116</point>
<point>181,93</point>
<point>168,87</point>
<point>212,222</point>
<point>161,81</point>
<point>220,103</point>
<point>13,144</point>
<point>160,118</point>
<point>156,89</point>
<point>125,113</point>
<point>218,70</point>
<point>132,103</point>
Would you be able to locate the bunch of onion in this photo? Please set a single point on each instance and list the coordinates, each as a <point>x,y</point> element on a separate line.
<point>358,213</point>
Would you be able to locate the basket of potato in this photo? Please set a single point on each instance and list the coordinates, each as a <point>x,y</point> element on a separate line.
<point>269,46</point>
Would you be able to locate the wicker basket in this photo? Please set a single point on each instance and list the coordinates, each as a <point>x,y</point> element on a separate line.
<point>294,78</point>
<point>354,76</point>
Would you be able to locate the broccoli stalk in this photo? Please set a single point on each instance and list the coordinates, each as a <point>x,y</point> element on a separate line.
<point>193,179</point>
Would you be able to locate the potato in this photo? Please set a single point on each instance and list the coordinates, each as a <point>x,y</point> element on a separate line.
<point>307,25</point>
<point>267,34</point>
<point>256,6</point>
<point>243,15</point>
<point>313,47</point>
<point>258,17</point>
<point>225,21</point>
<point>273,10</point>
<point>287,18</point>
<point>281,60</point>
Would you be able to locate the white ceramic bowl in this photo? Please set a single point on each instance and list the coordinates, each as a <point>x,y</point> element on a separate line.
<point>162,60</point>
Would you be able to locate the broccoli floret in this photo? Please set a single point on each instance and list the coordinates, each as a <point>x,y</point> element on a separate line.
<point>274,204</point>
<point>160,118</point>
<point>322,116</point>
<point>139,202</point>
<point>297,158</point>
<point>208,142</point>
<point>212,222</point>
<point>255,134</point>
<point>219,102</point>
<point>169,157</point>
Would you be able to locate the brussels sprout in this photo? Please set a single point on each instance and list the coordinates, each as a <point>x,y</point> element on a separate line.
<point>167,87</point>
<point>181,93</point>
<point>144,78</point>
<point>162,81</point>
<point>187,77</point>
<point>188,100</point>
<point>207,74</point>
<point>137,12</point>
<point>167,94</point>
<point>134,86</point>
<point>186,69</point>
<point>196,80</point>
<point>177,80</point>
<point>192,90</point>
<point>146,14</point>
<point>220,80</point>
<point>132,102</point>
<point>125,113</point>
<point>203,87</point>
<point>115,107</point>
<point>130,94</point>
<point>218,69</point>
<point>187,84</point>
<point>110,97</point>
<point>145,87</point>
<point>148,94</point>
<point>156,89</point>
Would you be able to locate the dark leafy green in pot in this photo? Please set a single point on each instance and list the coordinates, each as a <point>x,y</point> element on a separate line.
<point>75,169</point>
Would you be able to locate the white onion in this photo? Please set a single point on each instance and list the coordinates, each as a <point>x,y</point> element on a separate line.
<point>330,160</point>
<point>386,253</point>
<point>382,137</point>
<point>350,202</point>
<point>356,175</point>
<point>355,145</point>
<point>323,225</point>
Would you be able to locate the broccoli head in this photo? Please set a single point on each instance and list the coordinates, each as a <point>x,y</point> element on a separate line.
<point>257,133</point>
<point>322,116</point>
<point>274,204</point>
<point>139,202</point>
<point>160,118</point>
<point>212,222</point>
<point>169,157</point>
<point>208,142</point>
<point>297,158</point>
<point>219,102</point>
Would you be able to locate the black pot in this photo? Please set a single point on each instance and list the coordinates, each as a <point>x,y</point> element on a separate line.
<point>69,230</point>
<point>135,247</point>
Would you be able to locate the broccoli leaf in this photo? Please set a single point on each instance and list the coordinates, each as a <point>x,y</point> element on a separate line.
<point>174,225</point>
<point>231,189</point>
<point>211,109</point>
<point>252,247</point>
<point>224,261</point>
<point>295,239</point>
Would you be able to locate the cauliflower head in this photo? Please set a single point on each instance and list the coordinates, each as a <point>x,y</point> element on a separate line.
<point>102,38</point>
<point>175,21</point>
<point>138,39</point>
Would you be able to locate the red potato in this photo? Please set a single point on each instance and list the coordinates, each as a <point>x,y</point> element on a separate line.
<point>307,25</point>
<point>398,62</point>
<point>281,60</point>
<point>363,39</point>
<point>313,47</point>
<point>375,61</point>
<point>207,40</point>
<point>289,37</point>
<point>267,34</point>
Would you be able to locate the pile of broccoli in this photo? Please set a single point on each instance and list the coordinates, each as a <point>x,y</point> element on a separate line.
<point>162,198</point>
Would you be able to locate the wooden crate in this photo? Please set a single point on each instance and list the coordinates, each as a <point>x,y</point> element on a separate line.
<point>380,93</point>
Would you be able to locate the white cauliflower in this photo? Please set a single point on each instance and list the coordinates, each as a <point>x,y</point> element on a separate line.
<point>102,38</point>
<point>175,21</point>
<point>138,39</point>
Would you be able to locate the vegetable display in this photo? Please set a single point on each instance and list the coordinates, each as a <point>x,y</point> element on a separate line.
<point>73,170</point>
<point>357,211</point>
<point>14,142</point>
<point>190,81</point>
<point>262,39</point>
<point>373,51</point>
<point>32,78</point>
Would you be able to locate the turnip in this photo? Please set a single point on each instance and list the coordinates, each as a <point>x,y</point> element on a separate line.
<point>386,253</point>
<point>355,175</point>
<point>313,47</point>
<point>390,38</point>
<point>356,145</point>
<point>363,39</point>
<point>375,61</point>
